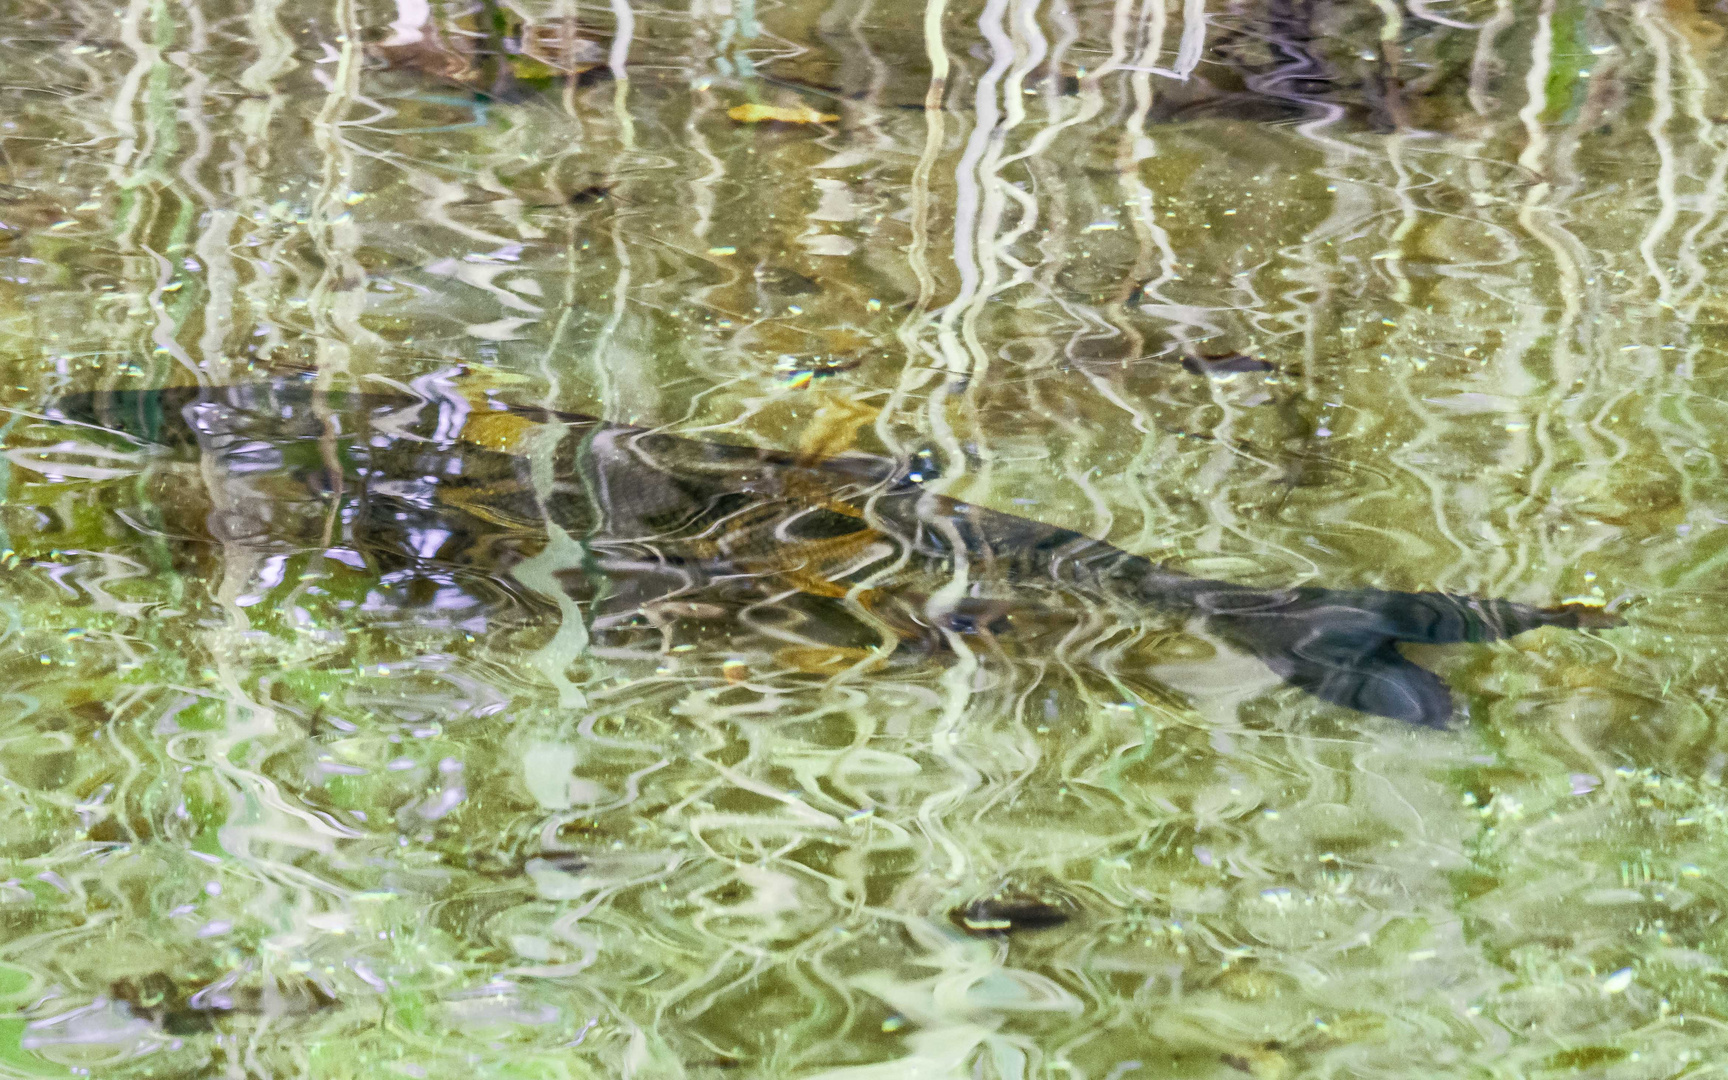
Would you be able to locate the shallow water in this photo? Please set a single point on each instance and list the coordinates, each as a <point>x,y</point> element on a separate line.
<point>1422,297</point>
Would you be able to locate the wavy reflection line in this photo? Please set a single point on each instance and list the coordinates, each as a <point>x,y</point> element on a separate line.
<point>216,255</point>
<point>623,34</point>
<point>1290,32</point>
<point>1484,61</point>
<point>1661,116</point>
<point>1026,46</point>
<point>192,97</point>
<point>121,112</point>
<point>971,254</point>
<point>969,211</point>
<point>338,297</point>
<point>1156,22</point>
<point>1541,220</point>
<point>921,200</point>
<point>1422,10</point>
<point>256,249</point>
<point>1191,47</point>
<point>1091,97</point>
<point>1704,233</point>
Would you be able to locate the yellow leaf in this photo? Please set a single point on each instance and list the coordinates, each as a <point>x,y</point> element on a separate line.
<point>834,428</point>
<point>795,114</point>
<point>504,432</point>
<point>821,659</point>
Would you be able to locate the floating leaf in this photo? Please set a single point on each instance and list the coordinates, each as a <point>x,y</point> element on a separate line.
<point>780,114</point>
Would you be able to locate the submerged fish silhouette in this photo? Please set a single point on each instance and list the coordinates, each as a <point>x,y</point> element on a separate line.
<point>673,523</point>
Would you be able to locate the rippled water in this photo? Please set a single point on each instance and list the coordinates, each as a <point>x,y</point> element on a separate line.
<point>1419,297</point>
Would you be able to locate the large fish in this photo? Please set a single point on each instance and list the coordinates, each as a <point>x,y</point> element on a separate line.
<point>763,539</point>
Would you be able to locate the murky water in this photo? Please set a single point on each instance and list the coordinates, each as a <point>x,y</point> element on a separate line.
<point>336,746</point>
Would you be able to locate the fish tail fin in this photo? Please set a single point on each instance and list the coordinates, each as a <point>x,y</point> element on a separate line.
<point>1341,645</point>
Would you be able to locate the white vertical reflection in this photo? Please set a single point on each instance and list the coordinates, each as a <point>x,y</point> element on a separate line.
<point>144,57</point>
<point>1707,134</point>
<point>1656,37</point>
<point>1193,42</point>
<point>1484,62</point>
<point>624,32</point>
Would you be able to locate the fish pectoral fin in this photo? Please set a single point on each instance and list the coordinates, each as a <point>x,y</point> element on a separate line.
<point>1349,662</point>
<point>1382,682</point>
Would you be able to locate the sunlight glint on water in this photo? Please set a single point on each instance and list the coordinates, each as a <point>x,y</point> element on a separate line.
<point>1417,296</point>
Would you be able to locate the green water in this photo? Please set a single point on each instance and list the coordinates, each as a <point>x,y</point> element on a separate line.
<point>272,818</point>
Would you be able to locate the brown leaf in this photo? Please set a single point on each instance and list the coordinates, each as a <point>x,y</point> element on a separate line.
<point>779,114</point>
<point>563,45</point>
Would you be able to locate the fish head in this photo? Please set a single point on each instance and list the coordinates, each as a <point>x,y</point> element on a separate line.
<point>143,416</point>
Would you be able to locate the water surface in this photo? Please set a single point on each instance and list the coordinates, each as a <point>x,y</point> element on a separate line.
<point>1421,296</point>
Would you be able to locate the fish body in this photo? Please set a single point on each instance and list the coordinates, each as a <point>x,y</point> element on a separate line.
<point>780,542</point>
